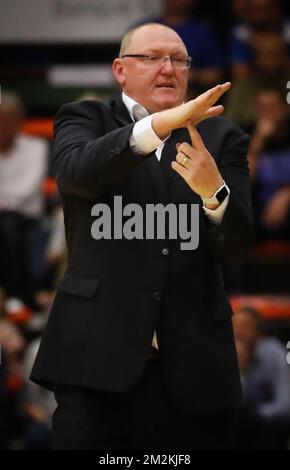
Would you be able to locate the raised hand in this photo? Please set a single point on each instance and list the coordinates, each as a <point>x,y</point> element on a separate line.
<point>193,111</point>
<point>196,166</point>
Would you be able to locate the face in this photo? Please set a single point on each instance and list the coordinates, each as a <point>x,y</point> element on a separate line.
<point>271,53</point>
<point>240,8</point>
<point>245,328</point>
<point>244,353</point>
<point>263,13</point>
<point>270,106</point>
<point>159,86</point>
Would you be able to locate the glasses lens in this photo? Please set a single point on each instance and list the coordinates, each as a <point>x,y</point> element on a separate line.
<point>179,63</point>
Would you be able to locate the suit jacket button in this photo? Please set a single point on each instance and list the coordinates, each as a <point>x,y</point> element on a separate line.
<point>115,152</point>
<point>156,295</point>
<point>221,237</point>
<point>165,251</point>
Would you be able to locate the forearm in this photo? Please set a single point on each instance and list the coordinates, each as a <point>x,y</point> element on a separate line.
<point>161,124</point>
<point>193,111</point>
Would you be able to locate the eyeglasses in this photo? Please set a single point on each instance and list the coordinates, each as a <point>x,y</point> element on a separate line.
<point>153,60</point>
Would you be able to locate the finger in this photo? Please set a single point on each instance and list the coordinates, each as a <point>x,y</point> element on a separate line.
<point>195,137</point>
<point>207,94</point>
<point>181,170</point>
<point>183,160</point>
<point>220,89</point>
<point>211,112</point>
<point>212,95</point>
<point>218,93</point>
<point>214,111</point>
<point>185,148</point>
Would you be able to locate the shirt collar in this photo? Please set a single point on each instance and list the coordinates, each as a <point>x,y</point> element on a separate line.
<point>136,110</point>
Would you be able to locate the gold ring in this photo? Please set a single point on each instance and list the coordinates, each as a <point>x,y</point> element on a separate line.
<point>184,160</point>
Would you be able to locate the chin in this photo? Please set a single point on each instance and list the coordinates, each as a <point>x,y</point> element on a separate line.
<point>167,103</point>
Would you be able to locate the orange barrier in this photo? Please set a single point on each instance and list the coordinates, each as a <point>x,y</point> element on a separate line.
<point>14,382</point>
<point>20,316</point>
<point>41,127</point>
<point>49,187</point>
<point>272,248</point>
<point>271,307</point>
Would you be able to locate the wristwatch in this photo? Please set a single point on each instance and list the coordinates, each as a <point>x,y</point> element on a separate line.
<point>219,196</point>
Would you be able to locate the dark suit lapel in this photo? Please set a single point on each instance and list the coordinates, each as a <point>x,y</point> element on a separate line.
<point>120,112</point>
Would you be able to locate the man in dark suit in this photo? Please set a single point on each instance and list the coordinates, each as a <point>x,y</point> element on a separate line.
<point>139,347</point>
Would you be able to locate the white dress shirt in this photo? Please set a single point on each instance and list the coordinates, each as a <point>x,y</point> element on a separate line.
<point>22,171</point>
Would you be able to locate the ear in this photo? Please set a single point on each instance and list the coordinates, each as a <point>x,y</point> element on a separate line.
<point>118,71</point>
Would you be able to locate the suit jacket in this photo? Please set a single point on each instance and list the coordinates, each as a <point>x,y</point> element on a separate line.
<point>115,293</point>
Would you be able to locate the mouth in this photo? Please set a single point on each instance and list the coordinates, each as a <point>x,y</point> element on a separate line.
<point>165,85</point>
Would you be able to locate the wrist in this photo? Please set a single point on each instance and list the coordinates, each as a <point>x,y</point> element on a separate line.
<point>212,207</point>
<point>211,192</point>
<point>160,125</point>
<point>217,198</point>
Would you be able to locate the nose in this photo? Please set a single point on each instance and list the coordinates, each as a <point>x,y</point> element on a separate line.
<point>167,66</point>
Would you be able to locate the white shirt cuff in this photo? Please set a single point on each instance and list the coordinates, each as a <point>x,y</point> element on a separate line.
<point>216,215</point>
<point>143,139</point>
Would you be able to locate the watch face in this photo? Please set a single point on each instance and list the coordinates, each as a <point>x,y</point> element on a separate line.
<point>222,194</point>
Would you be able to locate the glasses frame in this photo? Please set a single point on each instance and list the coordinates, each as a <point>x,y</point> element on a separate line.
<point>187,60</point>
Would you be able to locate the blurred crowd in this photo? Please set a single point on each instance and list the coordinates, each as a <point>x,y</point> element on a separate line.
<point>251,47</point>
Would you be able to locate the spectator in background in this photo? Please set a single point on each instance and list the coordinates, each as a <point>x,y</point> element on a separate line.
<point>4,397</point>
<point>269,159</point>
<point>222,15</point>
<point>199,38</point>
<point>23,166</point>
<point>11,339</point>
<point>55,253</point>
<point>271,67</point>
<point>258,104</point>
<point>240,10</point>
<point>39,405</point>
<point>12,346</point>
<point>4,400</point>
<point>264,17</point>
<point>265,417</point>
